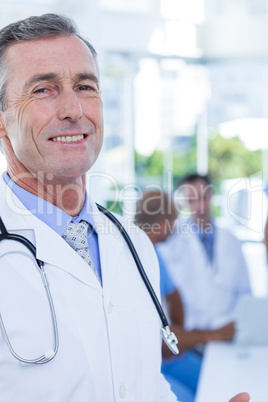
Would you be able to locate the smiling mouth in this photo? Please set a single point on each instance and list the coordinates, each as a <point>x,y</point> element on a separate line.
<point>68,138</point>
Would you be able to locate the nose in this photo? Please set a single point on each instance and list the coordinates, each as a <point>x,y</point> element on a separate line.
<point>69,107</point>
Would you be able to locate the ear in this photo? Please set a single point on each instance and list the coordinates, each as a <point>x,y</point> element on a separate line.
<point>3,132</point>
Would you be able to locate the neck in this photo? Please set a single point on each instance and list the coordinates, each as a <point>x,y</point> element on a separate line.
<point>66,194</point>
<point>152,237</point>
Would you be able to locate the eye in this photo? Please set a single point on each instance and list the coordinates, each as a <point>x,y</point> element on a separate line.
<point>40,90</point>
<point>86,88</point>
<point>43,92</point>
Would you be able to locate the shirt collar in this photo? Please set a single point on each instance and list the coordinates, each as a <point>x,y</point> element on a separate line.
<point>199,231</point>
<point>53,216</point>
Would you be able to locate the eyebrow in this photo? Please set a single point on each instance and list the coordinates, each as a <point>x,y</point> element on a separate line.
<point>53,76</point>
<point>40,77</point>
<point>87,76</point>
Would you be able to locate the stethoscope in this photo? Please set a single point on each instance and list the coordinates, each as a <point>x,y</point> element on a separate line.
<point>168,336</point>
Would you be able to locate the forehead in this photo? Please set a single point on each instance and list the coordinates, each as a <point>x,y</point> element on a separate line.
<point>60,55</point>
<point>197,187</point>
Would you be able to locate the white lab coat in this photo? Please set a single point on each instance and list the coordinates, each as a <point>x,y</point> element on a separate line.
<point>209,292</point>
<point>109,337</point>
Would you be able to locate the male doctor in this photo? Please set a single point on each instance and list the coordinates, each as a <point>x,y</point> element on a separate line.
<point>51,130</point>
<point>205,260</point>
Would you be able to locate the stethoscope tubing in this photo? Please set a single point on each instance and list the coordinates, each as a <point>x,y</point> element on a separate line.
<point>5,235</point>
<point>169,337</point>
<point>137,260</point>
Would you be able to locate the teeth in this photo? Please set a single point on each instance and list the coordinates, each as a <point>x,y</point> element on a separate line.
<point>69,138</point>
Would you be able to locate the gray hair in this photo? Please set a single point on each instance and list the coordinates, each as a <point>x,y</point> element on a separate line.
<point>33,28</point>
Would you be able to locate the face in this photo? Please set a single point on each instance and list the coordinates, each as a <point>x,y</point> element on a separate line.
<point>197,197</point>
<point>167,224</point>
<point>53,122</point>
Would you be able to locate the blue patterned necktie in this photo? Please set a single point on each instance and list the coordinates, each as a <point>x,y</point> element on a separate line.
<point>207,241</point>
<point>76,236</point>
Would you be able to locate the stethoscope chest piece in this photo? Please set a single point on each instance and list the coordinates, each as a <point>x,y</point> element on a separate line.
<point>170,340</point>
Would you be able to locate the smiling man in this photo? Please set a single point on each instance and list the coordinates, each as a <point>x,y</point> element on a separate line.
<point>52,120</point>
<point>51,129</point>
<point>102,341</point>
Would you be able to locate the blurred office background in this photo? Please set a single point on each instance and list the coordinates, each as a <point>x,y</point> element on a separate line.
<point>184,86</point>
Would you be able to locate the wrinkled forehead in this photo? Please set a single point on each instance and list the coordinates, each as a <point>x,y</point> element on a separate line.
<point>46,54</point>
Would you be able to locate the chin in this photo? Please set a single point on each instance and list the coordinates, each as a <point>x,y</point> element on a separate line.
<point>74,169</point>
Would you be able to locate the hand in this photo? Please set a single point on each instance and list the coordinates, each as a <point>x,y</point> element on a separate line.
<point>242,397</point>
<point>225,333</point>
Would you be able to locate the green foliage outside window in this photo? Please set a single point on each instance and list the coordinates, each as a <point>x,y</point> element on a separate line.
<point>228,159</point>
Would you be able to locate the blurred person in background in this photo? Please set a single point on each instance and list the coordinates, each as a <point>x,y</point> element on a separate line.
<point>205,260</point>
<point>156,214</point>
<point>266,238</point>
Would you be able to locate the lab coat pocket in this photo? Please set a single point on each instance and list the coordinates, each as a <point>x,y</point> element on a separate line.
<point>149,329</point>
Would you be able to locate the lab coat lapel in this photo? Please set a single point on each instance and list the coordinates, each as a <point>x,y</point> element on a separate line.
<point>111,246</point>
<point>50,247</point>
<point>55,251</point>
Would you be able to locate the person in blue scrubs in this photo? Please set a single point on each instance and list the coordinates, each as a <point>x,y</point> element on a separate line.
<point>183,371</point>
<point>156,214</point>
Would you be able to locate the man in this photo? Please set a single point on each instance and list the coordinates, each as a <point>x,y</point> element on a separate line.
<point>156,214</point>
<point>51,129</point>
<point>205,261</point>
